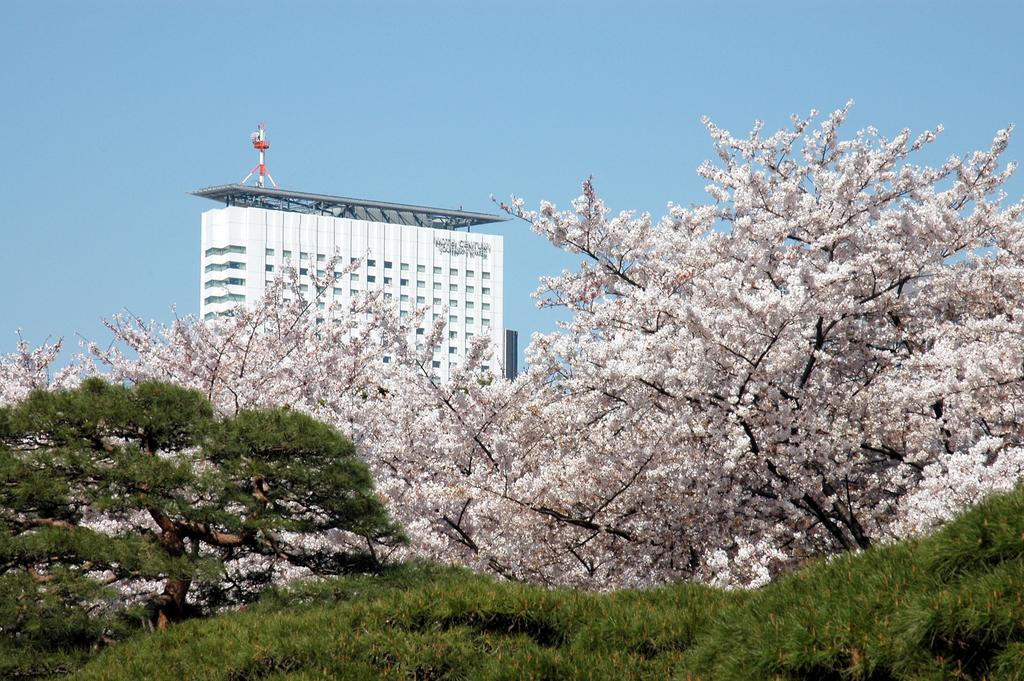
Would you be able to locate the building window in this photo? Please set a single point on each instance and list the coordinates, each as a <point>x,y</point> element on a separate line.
<point>420,300</point>
<point>485,306</point>
<point>453,287</point>
<point>485,275</point>
<point>437,270</point>
<point>320,273</point>
<point>470,289</point>
<point>270,268</point>
<point>452,319</point>
<point>286,254</point>
<point>485,321</point>
<point>388,296</point>
<point>470,320</point>
<point>370,278</point>
<point>225,250</point>
<point>470,273</point>
<point>453,272</point>
<point>387,264</point>
<point>435,364</point>
<point>303,255</point>
<point>485,290</point>
<point>437,301</point>
<point>387,359</point>
<point>453,303</point>
<point>453,335</point>
<point>353,277</point>
<point>421,268</point>
<point>452,350</point>
<point>470,305</point>
<point>387,281</point>
<point>419,331</point>
<point>370,262</point>
<point>421,284</point>
<point>338,291</point>
<point>403,282</point>
<point>270,251</point>
<point>403,314</point>
<point>304,271</point>
<point>303,288</point>
<point>437,286</point>
<point>404,298</point>
<point>405,267</point>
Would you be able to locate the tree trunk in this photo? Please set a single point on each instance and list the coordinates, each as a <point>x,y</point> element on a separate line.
<point>170,605</point>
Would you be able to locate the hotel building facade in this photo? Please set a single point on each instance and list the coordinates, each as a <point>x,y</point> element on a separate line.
<point>416,256</point>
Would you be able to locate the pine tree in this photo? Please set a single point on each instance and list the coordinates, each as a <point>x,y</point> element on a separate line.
<point>106,490</point>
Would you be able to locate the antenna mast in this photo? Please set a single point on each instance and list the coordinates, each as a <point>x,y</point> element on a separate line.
<point>260,143</point>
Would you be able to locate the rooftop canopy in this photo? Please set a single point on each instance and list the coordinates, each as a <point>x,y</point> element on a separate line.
<point>342,207</point>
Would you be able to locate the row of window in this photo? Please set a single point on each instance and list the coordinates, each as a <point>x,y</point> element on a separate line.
<point>370,262</point>
<point>485,307</point>
<point>230,281</point>
<point>421,300</point>
<point>226,298</point>
<point>388,281</point>
<point>225,250</point>
<point>220,267</point>
<point>438,354</point>
<point>437,363</point>
<point>388,264</point>
<point>452,335</point>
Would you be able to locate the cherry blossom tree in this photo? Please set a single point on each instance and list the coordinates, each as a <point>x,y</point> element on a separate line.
<point>826,350</point>
<point>827,354</point>
<point>26,369</point>
<point>464,465</point>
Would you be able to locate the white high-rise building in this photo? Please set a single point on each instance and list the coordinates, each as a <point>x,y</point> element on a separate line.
<point>416,256</point>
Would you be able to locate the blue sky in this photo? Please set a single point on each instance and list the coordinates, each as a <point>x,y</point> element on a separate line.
<point>111,112</point>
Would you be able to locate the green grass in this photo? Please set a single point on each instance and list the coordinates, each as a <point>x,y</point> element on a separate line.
<point>945,607</point>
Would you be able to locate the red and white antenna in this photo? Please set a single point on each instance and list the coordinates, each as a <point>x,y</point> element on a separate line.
<point>260,143</point>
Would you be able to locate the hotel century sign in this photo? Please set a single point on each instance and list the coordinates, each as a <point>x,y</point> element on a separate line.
<point>455,247</point>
